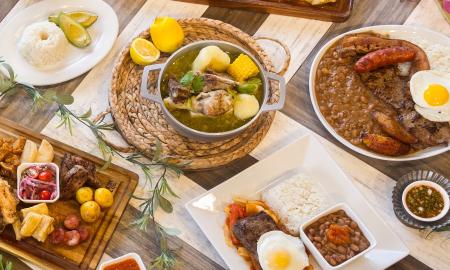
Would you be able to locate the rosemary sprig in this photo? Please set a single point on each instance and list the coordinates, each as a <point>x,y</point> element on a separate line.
<point>158,187</point>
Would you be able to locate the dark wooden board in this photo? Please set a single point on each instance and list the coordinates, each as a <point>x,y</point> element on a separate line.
<point>88,254</point>
<point>334,12</point>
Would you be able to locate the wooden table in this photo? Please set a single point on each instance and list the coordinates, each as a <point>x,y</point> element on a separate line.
<point>128,238</point>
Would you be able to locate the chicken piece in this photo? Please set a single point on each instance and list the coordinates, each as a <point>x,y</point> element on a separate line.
<point>392,127</point>
<point>213,103</point>
<point>215,81</point>
<point>18,145</point>
<point>8,203</point>
<point>385,145</point>
<point>5,149</point>
<point>177,92</point>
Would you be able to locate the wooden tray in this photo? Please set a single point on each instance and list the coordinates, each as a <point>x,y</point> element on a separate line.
<point>88,254</point>
<point>333,12</point>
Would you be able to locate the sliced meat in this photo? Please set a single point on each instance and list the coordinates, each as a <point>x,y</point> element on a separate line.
<point>73,180</point>
<point>213,103</point>
<point>70,161</point>
<point>178,92</point>
<point>248,230</point>
<point>213,81</point>
<point>392,127</point>
<point>384,57</point>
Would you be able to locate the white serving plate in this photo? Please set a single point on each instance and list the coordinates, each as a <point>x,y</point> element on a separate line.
<point>309,156</point>
<point>77,61</point>
<point>394,31</point>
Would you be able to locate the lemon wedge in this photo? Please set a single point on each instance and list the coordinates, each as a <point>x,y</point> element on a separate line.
<point>167,34</point>
<point>143,52</point>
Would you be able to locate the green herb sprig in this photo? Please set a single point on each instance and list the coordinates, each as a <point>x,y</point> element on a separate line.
<point>158,187</point>
<point>5,265</point>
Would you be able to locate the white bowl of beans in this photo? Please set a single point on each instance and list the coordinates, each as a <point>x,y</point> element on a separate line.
<point>336,237</point>
<point>425,200</point>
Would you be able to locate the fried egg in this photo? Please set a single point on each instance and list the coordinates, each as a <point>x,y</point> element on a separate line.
<point>430,90</point>
<point>279,251</point>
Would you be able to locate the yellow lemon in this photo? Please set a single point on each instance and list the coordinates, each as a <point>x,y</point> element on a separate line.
<point>90,211</point>
<point>167,34</point>
<point>84,194</point>
<point>143,52</point>
<point>104,197</point>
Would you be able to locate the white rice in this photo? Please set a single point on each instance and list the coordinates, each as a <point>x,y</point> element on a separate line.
<point>294,200</point>
<point>43,44</point>
<point>438,54</point>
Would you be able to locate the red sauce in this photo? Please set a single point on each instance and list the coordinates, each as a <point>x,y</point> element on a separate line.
<point>128,264</point>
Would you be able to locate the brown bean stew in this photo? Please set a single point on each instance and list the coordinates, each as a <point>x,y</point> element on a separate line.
<point>337,237</point>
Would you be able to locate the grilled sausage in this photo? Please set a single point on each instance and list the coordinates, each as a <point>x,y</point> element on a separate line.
<point>384,57</point>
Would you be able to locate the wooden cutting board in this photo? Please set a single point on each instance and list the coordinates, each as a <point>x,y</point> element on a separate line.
<point>88,254</point>
<point>334,12</point>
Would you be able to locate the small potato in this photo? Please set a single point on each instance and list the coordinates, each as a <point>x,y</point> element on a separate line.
<point>45,152</point>
<point>245,106</point>
<point>29,153</point>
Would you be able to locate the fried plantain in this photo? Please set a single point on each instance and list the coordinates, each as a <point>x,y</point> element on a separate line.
<point>393,128</point>
<point>385,145</point>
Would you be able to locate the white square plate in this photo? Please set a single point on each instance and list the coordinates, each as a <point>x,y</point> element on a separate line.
<point>308,155</point>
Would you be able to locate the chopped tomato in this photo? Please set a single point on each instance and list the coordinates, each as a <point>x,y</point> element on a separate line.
<point>45,195</point>
<point>236,212</point>
<point>45,176</point>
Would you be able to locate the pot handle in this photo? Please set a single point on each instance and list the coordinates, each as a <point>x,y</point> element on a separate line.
<point>280,103</point>
<point>144,87</point>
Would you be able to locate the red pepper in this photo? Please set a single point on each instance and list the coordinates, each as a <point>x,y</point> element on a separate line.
<point>236,212</point>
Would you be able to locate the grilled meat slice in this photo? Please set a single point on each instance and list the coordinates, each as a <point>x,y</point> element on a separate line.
<point>392,127</point>
<point>72,180</point>
<point>76,172</point>
<point>213,103</point>
<point>177,92</point>
<point>248,230</point>
<point>70,161</point>
<point>8,203</point>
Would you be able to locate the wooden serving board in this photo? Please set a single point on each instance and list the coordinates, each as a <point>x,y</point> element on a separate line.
<point>333,12</point>
<point>88,254</point>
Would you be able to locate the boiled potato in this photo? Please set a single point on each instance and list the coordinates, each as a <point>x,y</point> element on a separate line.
<point>212,57</point>
<point>245,106</point>
<point>29,153</point>
<point>45,152</point>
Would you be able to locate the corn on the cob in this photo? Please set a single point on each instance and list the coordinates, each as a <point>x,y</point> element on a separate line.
<point>243,68</point>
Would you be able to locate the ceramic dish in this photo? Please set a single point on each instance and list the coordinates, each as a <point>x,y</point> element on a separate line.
<point>394,31</point>
<point>22,167</point>
<point>77,61</point>
<point>440,189</point>
<point>207,136</point>
<point>134,256</point>
<point>320,259</point>
<point>310,156</point>
<point>399,208</point>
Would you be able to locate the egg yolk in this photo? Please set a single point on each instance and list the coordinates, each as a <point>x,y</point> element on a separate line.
<point>436,95</point>
<point>279,260</point>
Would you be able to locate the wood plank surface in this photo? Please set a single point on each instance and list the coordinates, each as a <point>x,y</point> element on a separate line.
<point>127,238</point>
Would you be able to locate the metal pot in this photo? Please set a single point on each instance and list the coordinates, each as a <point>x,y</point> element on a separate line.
<point>206,136</point>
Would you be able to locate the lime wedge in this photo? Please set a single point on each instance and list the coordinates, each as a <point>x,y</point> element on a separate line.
<point>75,32</point>
<point>84,18</point>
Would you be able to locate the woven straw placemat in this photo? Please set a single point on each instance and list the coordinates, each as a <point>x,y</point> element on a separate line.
<point>141,121</point>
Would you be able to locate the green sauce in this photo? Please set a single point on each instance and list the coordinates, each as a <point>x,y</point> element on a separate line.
<point>424,201</point>
<point>222,123</point>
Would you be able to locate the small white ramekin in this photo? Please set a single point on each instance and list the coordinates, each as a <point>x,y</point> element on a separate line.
<point>434,185</point>
<point>132,255</point>
<point>22,167</point>
<point>317,255</point>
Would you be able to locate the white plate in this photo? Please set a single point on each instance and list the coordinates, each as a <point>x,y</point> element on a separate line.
<point>394,31</point>
<point>308,155</point>
<point>103,33</point>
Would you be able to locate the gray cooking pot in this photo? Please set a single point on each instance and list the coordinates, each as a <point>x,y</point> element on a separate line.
<point>207,136</point>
